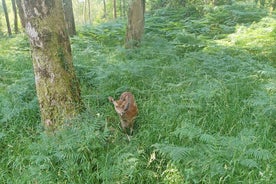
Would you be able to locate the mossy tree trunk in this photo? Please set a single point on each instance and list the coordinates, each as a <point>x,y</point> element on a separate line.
<point>56,84</point>
<point>135,25</point>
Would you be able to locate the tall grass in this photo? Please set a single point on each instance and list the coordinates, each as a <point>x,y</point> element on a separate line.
<point>206,103</point>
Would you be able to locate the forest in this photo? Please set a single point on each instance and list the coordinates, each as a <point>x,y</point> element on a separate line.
<point>203,74</point>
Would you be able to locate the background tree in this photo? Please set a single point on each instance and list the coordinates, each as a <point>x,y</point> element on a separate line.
<point>6,16</point>
<point>56,84</point>
<point>114,9</point>
<point>135,25</point>
<point>69,17</point>
<point>15,20</point>
<point>124,7</point>
<point>87,19</point>
<point>273,4</point>
<point>104,5</point>
<point>20,12</point>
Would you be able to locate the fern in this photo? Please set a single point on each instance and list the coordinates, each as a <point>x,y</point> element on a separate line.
<point>188,131</point>
<point>206,104</point>
<point>176,153</point>
<point>217,155</point>
<point>72,150</point>
<point>249,163</point>
<point>260,154</point>
<point>208,139</point>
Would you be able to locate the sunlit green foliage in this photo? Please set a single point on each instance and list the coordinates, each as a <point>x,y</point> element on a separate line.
<point>205,85</point>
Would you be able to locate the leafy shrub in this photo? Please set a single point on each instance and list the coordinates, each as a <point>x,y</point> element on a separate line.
<point>70,153</point>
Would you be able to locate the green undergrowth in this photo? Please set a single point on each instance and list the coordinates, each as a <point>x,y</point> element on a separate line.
<point>206,100</point>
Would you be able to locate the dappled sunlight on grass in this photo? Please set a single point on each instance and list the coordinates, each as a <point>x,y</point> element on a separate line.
<point>258,38</point>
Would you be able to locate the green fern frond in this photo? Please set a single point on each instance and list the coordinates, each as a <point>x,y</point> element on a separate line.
<point>250,163</point>
<point>176,153</point>
<point>260,154</point>
<point>188,131</point>
<point>207,138</point>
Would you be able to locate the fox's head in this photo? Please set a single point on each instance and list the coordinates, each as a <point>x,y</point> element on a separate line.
<point>121,105</point>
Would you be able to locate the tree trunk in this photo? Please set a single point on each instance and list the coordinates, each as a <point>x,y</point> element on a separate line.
<point>69,17</point>
<point>114,9</point>
<point>273,5</point>
<point>135,26</point>
<point>121,8</point>
<point>89,12</point>
<point>105,14</point>
<point>15,17</point>
<point>56,84</point>
<point>6,16</point>
<point>124,8</point>
<point>20,12</point>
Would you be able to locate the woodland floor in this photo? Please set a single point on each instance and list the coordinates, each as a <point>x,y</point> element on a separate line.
<point>205,85</point>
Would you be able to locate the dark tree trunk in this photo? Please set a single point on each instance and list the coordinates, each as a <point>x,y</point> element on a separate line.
<point>57,87</point>
<point>16,30</point>
<point>6,16</point>
<point>124,8</point>
<point>20,12</point>
<point>69,17</point>
<point>114,9</point>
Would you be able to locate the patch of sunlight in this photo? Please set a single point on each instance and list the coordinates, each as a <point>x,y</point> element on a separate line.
<point>257,34</point>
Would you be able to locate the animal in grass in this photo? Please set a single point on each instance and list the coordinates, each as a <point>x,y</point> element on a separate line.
<point>127,110</point>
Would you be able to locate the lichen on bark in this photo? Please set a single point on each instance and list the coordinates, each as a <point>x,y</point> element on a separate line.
<point>57,87</point>
<point>135,26</point>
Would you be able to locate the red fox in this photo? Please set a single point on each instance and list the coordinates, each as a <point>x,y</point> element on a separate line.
<point>127,110</point>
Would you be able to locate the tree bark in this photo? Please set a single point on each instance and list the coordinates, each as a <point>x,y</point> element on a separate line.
<point>124,8</point>
<point>69,17</point>
<point>6,16</point>
<point>114,9</point>
<point>56,84</point>
<point>20,12</point>
<point>105,14</point>
<point>16,30</point>
<point>135,26</point>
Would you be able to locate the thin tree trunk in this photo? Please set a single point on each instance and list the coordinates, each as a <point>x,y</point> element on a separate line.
<point>69,17</point>
<point>20,12</point>
<point>124,8</point>
<point>6,16</point>
<point>104,4</point>
<point>114,9</point>
<point>120,8</point>
<point>15,17</point>
<point>84,12</point>
<point>56,84</point>
<point>89,12</point>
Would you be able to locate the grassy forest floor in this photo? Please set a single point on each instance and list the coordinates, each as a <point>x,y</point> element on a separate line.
<point>205,84</point>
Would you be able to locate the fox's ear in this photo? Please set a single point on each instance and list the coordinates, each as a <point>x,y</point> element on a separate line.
<point>111,99</point>
<point>127,100</point>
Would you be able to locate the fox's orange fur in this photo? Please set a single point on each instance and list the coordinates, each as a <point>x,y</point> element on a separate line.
<point>127,110</point>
